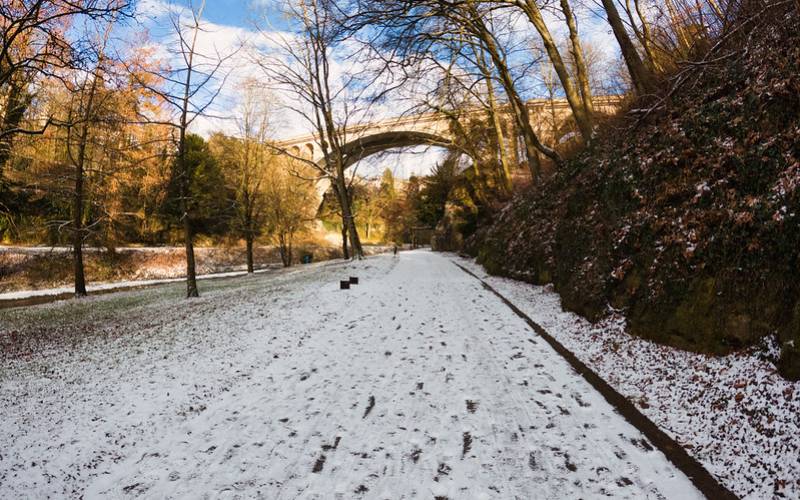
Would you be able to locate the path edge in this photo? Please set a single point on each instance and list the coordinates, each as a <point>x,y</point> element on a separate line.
<point>702,479</point>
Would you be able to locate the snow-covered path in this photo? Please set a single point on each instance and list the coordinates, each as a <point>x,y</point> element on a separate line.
<point>416,383</point>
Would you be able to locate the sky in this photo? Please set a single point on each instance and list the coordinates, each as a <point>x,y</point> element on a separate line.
<point>230,22</point>
<point>228,12</point>
<point>236,13</point>
<point>240,13</point>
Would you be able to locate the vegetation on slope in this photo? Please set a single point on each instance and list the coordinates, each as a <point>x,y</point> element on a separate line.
<point>686,215</point>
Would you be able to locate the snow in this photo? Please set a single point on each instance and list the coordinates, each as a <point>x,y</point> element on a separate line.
<point>416,383</point>
<point>115,285</point>
<point>734,413</point>
<point>149,275</point>
<point>46,249</point>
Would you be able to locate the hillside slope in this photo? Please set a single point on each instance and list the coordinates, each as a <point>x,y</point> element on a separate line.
<point>688,219</point>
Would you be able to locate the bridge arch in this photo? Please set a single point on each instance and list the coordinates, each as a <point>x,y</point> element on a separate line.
<point>358,149</point>
<point>433,129</point>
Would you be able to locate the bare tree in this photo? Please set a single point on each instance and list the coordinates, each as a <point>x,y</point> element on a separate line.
<point>461,99</point>
<point>641,76</point>
<point>582,73</point>
<point>188,89</point>
<point>82,117</point>
<point>578,96</point>
<point>421,29</point>
<point>493,111</point>
<point>86,113</point>
<point>643,33</point>
<point>251,162</point>
<point>304,69</point>
<point>474,20</point>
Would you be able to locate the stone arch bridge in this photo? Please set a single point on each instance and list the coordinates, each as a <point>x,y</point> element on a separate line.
<point>548,117</point>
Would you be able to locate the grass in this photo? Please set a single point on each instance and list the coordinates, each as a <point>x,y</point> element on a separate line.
<point>133,316</point>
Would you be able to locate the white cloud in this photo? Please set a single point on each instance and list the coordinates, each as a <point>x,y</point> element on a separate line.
<point>215,41</point>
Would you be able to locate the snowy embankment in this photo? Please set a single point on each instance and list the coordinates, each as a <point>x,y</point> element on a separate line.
<point>416,383</point>
<point>734,413</point>
<point>145,274</point>
<point>117,285</point>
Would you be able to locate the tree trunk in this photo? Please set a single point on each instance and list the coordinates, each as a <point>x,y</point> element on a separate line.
<point>494,116</point>
<point>188,53</point>
<point>191,277</point>
<point>531,142</point>
<point>347,215</point>
<point>345,251</point>
<point>188,231</point>
<point>77,208</point>
<point>576,103</point>
<point>535,167</point>
<point>515,143</point>
<point>642,79</point>
<point>285,247</point>
<point>553,117</point>
<point>581,70</point>
<point>521,115</point>
<point>183,169</point>
<point>16,105</point>
<point>647,41</point>
<point>355,240</point>
<point>249,242</point>
<point>77,234</point>
<point>505,170</point>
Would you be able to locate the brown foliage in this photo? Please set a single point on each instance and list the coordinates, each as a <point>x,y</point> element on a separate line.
<point>687,220</point>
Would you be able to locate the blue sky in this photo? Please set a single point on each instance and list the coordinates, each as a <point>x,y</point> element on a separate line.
<point>235,13</point>
<point>230,12</point>
<point>239,13</point>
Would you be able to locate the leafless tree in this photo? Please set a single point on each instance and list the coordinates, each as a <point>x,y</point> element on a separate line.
<point>83,116</point>
<point>417,29</point>
<point>250,157</point>
<point>576,90</point>
<point>493,110</point>
<point>304,69</point>
<point>188,89</point>
<point>641,76</point>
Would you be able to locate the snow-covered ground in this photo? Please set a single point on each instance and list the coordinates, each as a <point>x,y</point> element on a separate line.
<point>416,383</point>
<point>735,414</point>
<point>116,285</point>
<point>145,275</point>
